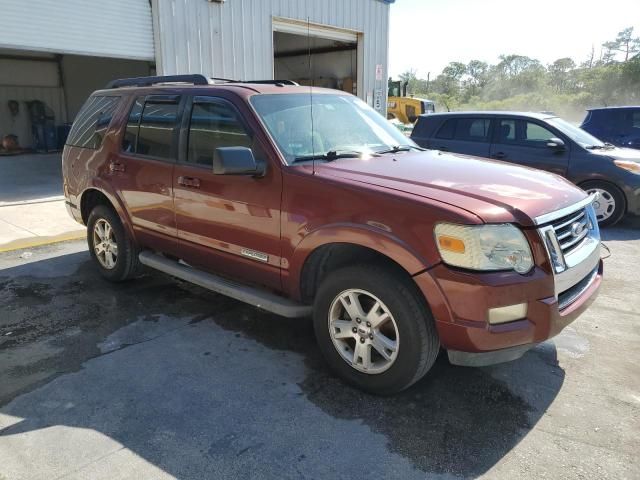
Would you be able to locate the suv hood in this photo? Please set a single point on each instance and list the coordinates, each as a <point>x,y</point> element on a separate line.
<point>492,190</point>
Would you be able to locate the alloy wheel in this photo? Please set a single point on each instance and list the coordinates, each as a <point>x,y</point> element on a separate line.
<point>363,331</point>
<point>104,244</point>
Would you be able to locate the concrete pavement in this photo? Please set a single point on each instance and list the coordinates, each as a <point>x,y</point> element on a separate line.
<point>32,210</point>
<point>156,378</point>
<point>30,177</point>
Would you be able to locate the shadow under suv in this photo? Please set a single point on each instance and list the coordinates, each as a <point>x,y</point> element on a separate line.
<point>306,202</point>
<point>546,142</point>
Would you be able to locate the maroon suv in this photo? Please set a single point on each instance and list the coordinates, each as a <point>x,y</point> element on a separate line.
<point>305,201</point>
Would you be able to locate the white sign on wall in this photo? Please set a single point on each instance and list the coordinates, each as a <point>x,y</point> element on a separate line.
<point>379,71</point>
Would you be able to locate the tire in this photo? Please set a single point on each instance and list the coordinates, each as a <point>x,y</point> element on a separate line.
<point>611,206</point>
<point>410,327</point>
<point>124,264</point>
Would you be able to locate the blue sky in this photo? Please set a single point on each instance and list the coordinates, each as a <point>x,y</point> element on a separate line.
<point>427,34</point>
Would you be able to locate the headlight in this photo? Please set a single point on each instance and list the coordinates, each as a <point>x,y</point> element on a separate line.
<point>633,167</point>
<point>484,247</point>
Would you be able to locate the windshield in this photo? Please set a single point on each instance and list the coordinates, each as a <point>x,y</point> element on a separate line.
<point>341,124</point>
<point>575,133</point>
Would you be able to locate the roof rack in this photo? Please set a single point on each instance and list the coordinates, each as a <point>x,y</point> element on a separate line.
<point>274,82</point>
<point>195,79</point>
<point>263,82</point>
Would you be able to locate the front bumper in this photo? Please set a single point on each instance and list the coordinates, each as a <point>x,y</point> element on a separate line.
<point>460,302</point>
<point>632,194</point>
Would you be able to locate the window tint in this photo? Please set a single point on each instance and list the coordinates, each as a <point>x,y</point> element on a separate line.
<point>472,129</point>
<point>213,125</point>
<point>447,129</point>
<point>635,119</point>
<point>131,132</point>
<point>537,134</point>
<point>156,129</point>
<point>91,124</point>
<point>507,131</point>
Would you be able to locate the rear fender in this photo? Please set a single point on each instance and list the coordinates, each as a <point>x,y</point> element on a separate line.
<point>116,202</point>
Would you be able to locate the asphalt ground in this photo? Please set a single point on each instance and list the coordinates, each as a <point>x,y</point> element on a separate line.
<point>156,378</point>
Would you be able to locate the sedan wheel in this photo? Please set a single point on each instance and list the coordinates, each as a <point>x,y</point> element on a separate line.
<point>605,205</point>
<point>363,331</point>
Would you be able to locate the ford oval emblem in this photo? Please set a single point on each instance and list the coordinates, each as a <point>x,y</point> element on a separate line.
<point>576,229</point>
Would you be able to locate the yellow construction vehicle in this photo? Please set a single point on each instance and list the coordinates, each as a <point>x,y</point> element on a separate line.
<point>405,108</point>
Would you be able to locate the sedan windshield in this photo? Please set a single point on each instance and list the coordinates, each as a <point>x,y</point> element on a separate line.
<point>576,133</point>
<point>327,127</point>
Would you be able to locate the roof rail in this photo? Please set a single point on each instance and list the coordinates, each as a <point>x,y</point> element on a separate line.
<point>274,82</point>
<point>195,79</point>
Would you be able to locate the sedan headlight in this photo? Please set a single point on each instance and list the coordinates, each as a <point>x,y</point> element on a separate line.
<point>633,167</point>
<point>484,247</point>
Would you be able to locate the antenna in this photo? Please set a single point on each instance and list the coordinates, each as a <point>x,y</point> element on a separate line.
<point>313,146</point>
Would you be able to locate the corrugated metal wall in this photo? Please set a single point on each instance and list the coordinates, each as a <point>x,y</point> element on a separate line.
<point>234,39</point>
<point>113,28</point>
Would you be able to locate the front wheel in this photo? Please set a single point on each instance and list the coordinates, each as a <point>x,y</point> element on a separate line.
<point>374,329</point>
<point>610,205</point>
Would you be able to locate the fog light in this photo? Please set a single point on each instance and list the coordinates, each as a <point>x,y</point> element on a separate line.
<point>508,313</point>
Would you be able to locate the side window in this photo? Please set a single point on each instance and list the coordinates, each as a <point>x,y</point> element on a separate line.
<point>472,129</point>
<point>92,121</point>
<point>214,124</point>
<point>507,131</point>
<point>635,119</point>
<point>155,136</point>
<point>133,122</point>
<point>536,135</point>
<point>446,130</point>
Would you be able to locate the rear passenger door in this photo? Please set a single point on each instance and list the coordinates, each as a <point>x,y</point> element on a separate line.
<point>143,170</point>
<point>525,142</point>
<point>468,135</point>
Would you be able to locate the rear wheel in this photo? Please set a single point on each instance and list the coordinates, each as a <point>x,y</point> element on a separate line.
<point>109,246</point>
<point>374,329</point>
<point>610,205</point>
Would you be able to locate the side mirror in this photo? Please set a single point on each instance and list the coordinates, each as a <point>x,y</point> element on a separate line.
<point>236,161</point>
<point>556,143</point>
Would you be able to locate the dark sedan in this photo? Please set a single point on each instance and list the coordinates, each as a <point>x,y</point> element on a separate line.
<point>546,142</point>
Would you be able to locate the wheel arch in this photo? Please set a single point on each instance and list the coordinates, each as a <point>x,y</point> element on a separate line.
<point>334,247</point>
<point>608,183</point>
<point>98,194</point>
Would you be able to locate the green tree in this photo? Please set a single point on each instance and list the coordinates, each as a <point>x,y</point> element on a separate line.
<point>560,74</point>
<point>627,43</point>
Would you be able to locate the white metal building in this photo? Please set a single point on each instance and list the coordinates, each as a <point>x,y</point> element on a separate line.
<point>58,52</point>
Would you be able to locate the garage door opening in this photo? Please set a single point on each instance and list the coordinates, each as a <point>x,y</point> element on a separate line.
<point>41,93</point>
<point>317,56</point>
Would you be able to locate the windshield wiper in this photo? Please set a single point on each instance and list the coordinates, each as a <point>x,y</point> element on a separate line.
<point>330,156</point>
<point>399,148</point>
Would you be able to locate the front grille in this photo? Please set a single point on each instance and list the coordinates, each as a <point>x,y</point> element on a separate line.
<point>571,230</point>
<point>569,296</point>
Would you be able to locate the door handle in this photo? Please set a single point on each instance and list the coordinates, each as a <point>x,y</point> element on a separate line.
<point>442,149</point>
<point>499,155</point>
<point>189,182</point>
<point>116,167</point>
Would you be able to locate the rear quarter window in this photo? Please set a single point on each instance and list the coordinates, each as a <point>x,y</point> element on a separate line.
<point>91,123</point>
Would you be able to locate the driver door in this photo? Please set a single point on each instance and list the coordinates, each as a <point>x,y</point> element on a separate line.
<point>227,224</point>
<point>525,142</point>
